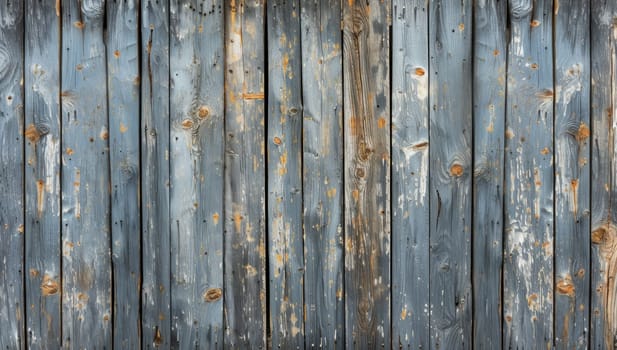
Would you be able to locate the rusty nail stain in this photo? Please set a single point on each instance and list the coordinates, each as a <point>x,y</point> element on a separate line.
<point>531,300</point>
<point>495,52</point>
<point>213,294</point>
<point>203,112</point>
<point>565,287</point>
<point>20,228</point>
<point>78,24</point>
<point>117,54</point>
<point>581,273</point>
<point>510,134</point>
<point>545,151</point>
<point>331,192</point>
<point>277,140</point>
<point>215,218</point>
<point>381,122</point>
<point>461,27</point>
<point>583,132</point>
<point>49,286</point>
<point>535,23</point>
<point>420,71</point>
<point>187,123</point>
<point>534,66</point>
<point>79,67</point>
<point>456,170</point>
<point>420,146</point>
<point>32,133</point>
<point>69,151</point>
<point>106,317</point>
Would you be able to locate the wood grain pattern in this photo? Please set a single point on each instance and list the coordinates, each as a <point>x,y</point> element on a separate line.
<point>284,157</point>
<point>196,171</point>
<point>42,175</point>
<point>123,79</point>
<point>410,176</point>
<point>528,262</point>
<point>245,169</point>
<point>489,96</point>
<point>572,174</point>
<point>322,173</point>
<point>366,104</point>
<point>155,244</point>
<point>12,311</point>
<point>603,328</point>
<point>451,173</point>
<point>86,261</point>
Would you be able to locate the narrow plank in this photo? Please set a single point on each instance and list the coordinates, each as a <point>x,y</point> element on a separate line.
<point>245,169</point>
<point>11,175</point>
<point>322,173</point>
<point>572,174</point>
<point>196,171</point>
<point>86,264</point>
<point>603,328</point>
<point>284,157</point>
<point>528,256</point>
<point>410,165</point>
<point>156,288</point>
<point>451,170</point>
<point>489,96</point>
<point>42,174</point>
<point>366,81</point>
<point>123,96</point>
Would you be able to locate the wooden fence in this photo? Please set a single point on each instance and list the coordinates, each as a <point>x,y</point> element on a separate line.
<point>299,174</point>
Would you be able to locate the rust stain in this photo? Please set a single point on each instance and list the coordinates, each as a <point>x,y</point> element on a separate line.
<point>381,122</point>
<point>253,96</point>
<point>213,294</point>
<point>34,273</point>
<point>574,188</point>
<point>215,218</point>
<point>355,194</point>
<point>456,170</point>
<point>495,52</point>
<point>40,196</point>
<point>566,287</point>
<point>79,24</point>
<point>69,151</point>
<point>545,151</point>
<point>331,192</point>
<point>283,164</point>
<point>123,128</point>
<point>32,133</point>
<point>532,301</point>
<point>238,221</point>
<point>203,112</point>
<point>510,134</point>
<point>187,123</point>
<point>545,94</point>
<point>158,338</point>
<point>534,66</point>
<point>535,23</point>
<point>404,314</point>
<point>583,132</point>
<point>117,54</point>
<point>277,140</point>
<point>20,228</point>
<point>49,286</point>
<point>420,71</point>
<point>461,27</point>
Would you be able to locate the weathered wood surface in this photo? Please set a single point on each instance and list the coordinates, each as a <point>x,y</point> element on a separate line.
<point>451,169</point>
<point>489,103</point>
<point>196,172</point>
<point>123,95</point>
<point>322,173</point>
<point>572,174</point>
<point>42,174</point>
<point>284,158</point>
<point>528,246</point>
<point>154,131</point>
<point>410,176</point>
<point>12,201</point>
<point>603,329</point>
<point>86,262</point>
<point>366,98</point>
<point>245,304</point>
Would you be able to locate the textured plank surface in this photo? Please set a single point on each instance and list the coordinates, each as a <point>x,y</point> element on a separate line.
<point>12,200</point>
<point>323,173</point>
<point>410,177</point>
<point>123,96</point>
<point>155,292</point>
<point>603,327</point>
<point>245,169</point>
<point>451,170</point>
<point>528,256</point>
<point>42,174</point>
<point>196,171</point>
<point>284,157</point>
<point>86,263</point>
<point>572,174</point>
<point>366,107</point>
<point>489,96</point>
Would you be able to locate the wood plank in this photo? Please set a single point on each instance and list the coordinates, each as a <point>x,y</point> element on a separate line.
<point>196,171</point>
<point>489,96</point>
<point>156,288</point>
<point>451,169</point>
<point>11,175</point>
<point>366,74</point>
<point>322,173</point>
<point>410,177</point>
<point>42,175</point>
<point>603,328</point>
<point>284,157</point>
<point>572,174</point>
<point>86,265</point>
<point>123,96</point>
<point>245,170</point>
<point>528,263</point>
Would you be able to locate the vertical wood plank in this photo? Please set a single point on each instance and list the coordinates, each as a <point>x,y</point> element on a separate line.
<point>366,74</point>
<point>572,181</point>
<point>410,177</point>
<point>123,96</point>
<point>11,175</point>
<point>196,170</point>
<point>603,327</point>
<point>451,170</point>
<point>86,265</point>
<point>42,174</point>
<point>156,288</point>
<point>245,169</point>
<point>322,173</point>
<point>284,157</point>
<point>489,96</point>
<point>528,262</point>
